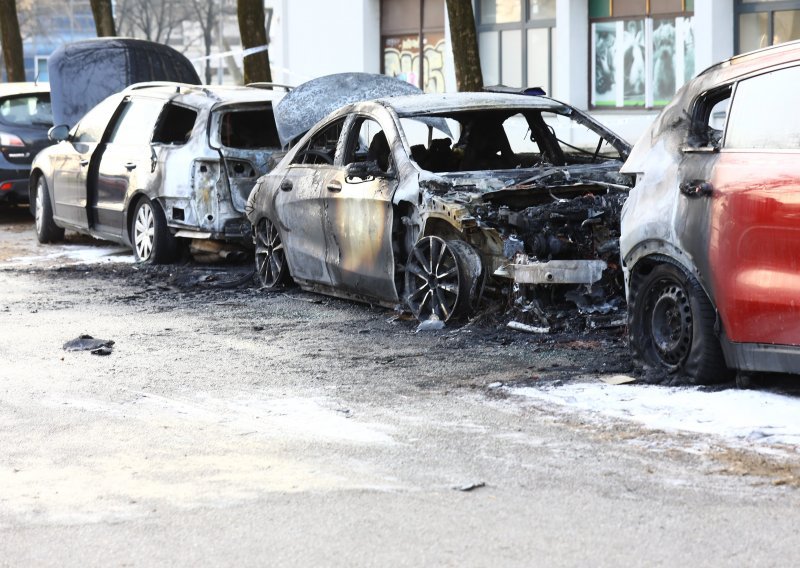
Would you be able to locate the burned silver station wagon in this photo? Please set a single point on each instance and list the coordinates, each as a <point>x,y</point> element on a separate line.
<point>156,163</point>
<point>437,201</point>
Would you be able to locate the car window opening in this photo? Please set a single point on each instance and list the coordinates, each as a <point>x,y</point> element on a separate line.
<point>504,141</point>
<point>176,125</point>
<point>321,149</point>
<point>249,129</point>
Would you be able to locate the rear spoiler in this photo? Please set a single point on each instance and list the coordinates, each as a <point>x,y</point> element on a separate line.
<point>529,91</point>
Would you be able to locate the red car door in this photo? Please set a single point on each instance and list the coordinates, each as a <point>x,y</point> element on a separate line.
<point>755,213</point>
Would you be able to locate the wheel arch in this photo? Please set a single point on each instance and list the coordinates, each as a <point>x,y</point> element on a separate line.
<point>33,179</point>
<point>436,227</point>
<point>130,210</point>
<point>648,254</point>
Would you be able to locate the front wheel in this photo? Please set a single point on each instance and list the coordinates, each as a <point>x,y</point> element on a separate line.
<point>46,229</point>
<point>439,280</point>
<point>672,325</point>
<point>271,267</point>
<point>152,241</point>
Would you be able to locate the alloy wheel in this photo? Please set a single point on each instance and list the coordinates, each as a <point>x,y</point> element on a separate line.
<point>433,280</point>
<point>270,256</point>
<point>144,231</point>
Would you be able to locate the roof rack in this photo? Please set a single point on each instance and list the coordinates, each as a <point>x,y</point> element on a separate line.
<point>268,85</point>
<point>179,87</point>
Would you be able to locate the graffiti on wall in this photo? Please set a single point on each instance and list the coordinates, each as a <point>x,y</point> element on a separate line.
<point>401,60</point>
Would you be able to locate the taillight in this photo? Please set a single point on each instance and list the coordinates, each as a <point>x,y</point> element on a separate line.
<point>11,140</point>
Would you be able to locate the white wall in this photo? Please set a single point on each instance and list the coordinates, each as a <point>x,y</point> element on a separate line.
<point>713,32</point>
<point>320,37</point>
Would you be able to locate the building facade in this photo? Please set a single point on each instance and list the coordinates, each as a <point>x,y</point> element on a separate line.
<point>622,60</point>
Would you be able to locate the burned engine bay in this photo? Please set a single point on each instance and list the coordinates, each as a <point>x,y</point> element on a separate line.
<point>559,267</point>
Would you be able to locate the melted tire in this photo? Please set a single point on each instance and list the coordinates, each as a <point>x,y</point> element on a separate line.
<point>672,326</point>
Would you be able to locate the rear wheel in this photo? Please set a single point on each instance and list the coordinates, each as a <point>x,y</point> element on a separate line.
<point>672,325</point>
<point>46,229</point>
<point>152,241</point>
<point>438,280</point>
<point>271,267</point>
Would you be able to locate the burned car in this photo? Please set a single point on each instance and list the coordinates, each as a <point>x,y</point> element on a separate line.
<point>155,163</point>
<point>436,202</point>
<point>710,233</point>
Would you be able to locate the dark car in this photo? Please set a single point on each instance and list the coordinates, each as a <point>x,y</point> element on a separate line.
<point>156,163</point>
<point>436,201</point>
<point>711,231</point>
<point>25,118</point>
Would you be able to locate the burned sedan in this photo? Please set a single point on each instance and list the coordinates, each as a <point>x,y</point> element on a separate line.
<point>438,201</point>
<point>710,235</point>
<point>156,163</point>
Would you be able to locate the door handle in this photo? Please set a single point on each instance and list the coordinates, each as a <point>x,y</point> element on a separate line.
<point>84,163</point>
<point>335,186</point>
<point>130,166</point>
<point>696,188</point>
<point>286,185</point>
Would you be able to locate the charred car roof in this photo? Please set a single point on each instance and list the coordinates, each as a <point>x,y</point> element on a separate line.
<point>312,101</point>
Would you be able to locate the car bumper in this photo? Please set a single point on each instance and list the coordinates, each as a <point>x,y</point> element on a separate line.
<point>12,189</point>
<point>553,272</point>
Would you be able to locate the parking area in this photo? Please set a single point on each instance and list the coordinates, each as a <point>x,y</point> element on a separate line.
<point>301,428</point>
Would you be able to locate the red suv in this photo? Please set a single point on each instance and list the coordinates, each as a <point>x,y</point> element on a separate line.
<point>710,235</point>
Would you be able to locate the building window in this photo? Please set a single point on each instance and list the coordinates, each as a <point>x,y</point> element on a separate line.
<point>516,39</point>
<point>642,51</point>
<point>761,23</point>
<point>405,24</point>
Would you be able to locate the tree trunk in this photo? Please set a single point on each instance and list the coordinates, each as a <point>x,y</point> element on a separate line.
<point>12,41</point>
<point>254,34</point>
<point>103,18</point>
<point>464,38</point>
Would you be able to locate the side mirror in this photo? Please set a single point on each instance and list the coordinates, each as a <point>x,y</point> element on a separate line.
<point>58,133</point>
<point>364,171</point>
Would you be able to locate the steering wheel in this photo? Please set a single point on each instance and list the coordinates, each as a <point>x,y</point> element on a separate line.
<point>317,153</point>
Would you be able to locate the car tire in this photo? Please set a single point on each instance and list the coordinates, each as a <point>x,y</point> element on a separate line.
<point>438,280</point>
<point>46,229</point>
<point>672,325</point>
<point>152,242</point>
<point>272,270</point>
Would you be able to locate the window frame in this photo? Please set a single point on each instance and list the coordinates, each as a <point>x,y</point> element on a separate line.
<point>740,7</point>
<point>524,24</point>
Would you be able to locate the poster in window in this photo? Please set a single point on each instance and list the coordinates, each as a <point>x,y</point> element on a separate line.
<point>665,64</point>
<point>686,28</point>
<point>672,41</point>
<point>604,83</point>
<point>634,63</point>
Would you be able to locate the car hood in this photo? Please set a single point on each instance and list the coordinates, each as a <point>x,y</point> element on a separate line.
<point>312,101</point>
<point>83,73</point>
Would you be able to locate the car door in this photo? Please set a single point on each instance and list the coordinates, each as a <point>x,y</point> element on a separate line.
<point>754,245</point>
<point>358,213</point>
<point>298,203</point>
<point>127,162</point>
<point>73,162</point>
